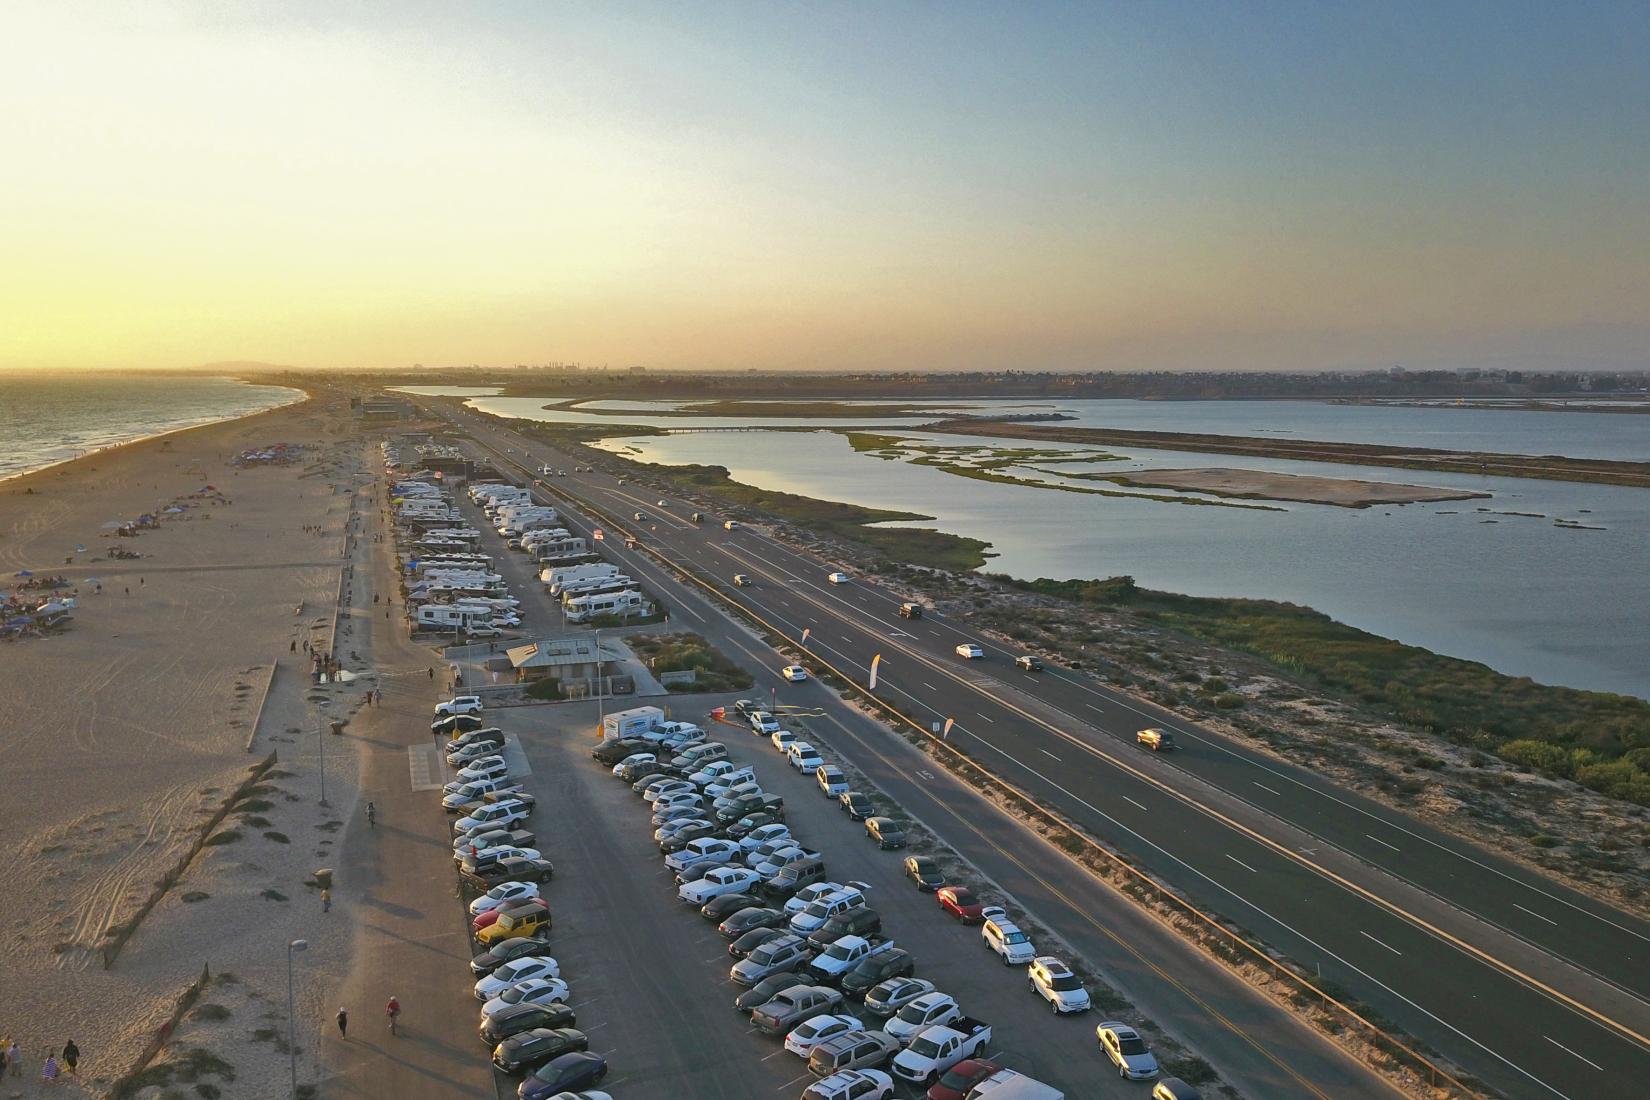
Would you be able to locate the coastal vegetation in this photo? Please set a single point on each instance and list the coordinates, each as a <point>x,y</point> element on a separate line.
<point>1601,741</point>
<point>713,671</point>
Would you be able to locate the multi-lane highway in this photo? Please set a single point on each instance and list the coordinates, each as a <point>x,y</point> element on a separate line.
<point>1538,989</point>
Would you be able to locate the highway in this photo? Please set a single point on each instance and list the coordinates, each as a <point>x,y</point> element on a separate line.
<point>1535,988</point>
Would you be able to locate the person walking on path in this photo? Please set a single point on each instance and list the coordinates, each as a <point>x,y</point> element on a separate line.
<point>2,1059</point>
<point>393,1011</point>
<point>326,900</point>
<point>48,1071</point>
<point>343,1024</point>
<point>71,1056</point>
<point>14,1058</point>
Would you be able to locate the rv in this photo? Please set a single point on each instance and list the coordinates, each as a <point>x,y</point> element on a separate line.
<point>631,723</point>
<point>595,586</point>
<point>628,602</point>
<point>555,577</point>
<point>568,546</point>
<point>446,617</point>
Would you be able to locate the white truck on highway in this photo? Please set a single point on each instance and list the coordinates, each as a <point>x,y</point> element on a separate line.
<point>936,1049</point>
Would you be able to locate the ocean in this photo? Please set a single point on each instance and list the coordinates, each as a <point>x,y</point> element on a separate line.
<point>47,418</point>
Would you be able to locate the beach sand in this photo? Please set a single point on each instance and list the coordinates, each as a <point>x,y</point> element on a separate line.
<point>129,729</point>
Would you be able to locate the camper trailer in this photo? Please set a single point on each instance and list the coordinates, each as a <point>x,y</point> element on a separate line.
<point>627,602</point>
<point>556,576</point>
<point>595,586</point>
<point>631,723</point>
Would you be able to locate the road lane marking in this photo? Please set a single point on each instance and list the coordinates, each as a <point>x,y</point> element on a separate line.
<point>993,721</point>
<point>1567,1050</point>
<point>1536,915</point>
<point>1265,788</point>
<point>1383,843</point>
<point>1126,798</point>
<point>1372,939</point>
<point>929,686</point>
<point>1240,863</point>
<point>1048,754</point>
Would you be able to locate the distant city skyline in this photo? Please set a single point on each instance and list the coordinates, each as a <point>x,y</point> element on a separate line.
<point>923,186</point>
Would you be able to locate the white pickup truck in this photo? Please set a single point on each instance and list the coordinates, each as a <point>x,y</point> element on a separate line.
<point>843,955</point>
<point>937,1049</point>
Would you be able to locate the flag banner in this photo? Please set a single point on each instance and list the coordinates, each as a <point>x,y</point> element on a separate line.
<point>876,663</point>
<point>945,733</point>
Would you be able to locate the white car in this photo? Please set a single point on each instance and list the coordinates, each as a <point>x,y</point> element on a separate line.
<point>662,504</point>
<point>775,862</point>
<point>794,673</point>
<point>1004,937</point>
<point>813,892</point>
<point>815,1030</point>
<point>731,525</point>
<point>767,849</point>
<point>970,652</point>
<point>851,1084</point>
<point>515,972</point>
<point>838,578</point>
<point>707,849</point>
<point>503,894</point>
<point>640,516</point>
<point>1127,1051</point>
<point>459,704</point>
<point>1053,981</point>
<point>533,991</point>
<point>763,834</point>
<point>488,767</point>
<point>783,740</point>
<point>923,1012</point>
<point>804,757</point>
<point>475,750</point>
<point>723,880</point>
<point>633,759</point>
<point>668,788</point>
<point>493,815</point>
<point>762,722</point>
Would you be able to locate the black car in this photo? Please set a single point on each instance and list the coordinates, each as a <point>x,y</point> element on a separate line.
<point>743,945</point>
<point>753,917</point>
<point>720,909</point>
<point>680,839</point>
<point>925,872</point>
<point>522,1052</point>
<point>632,772</point>
<point>856,805</point>
<point>740,823</point>
<point>517,947</point>
<point>897,963</point>
<point>580,1069</point>
<point>524,1017</point>
<point>611,752</point>
<point>509,869</point>
<point>887,832</point>
<point>457,723</point>
<point>855,922</point>
<point>766,990</point>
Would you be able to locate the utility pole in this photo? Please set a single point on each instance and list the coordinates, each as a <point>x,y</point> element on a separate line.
<point>291,1014</point>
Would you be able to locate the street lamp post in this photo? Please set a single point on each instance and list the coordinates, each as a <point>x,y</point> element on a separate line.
<point>321,734</point>
<point>292,1013</point>
<point>601,694</point>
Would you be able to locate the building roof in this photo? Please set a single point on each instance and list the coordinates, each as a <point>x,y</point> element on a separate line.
<point>560,653</point>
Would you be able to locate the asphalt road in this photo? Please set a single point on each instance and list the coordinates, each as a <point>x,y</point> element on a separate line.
<point>1415,922</point>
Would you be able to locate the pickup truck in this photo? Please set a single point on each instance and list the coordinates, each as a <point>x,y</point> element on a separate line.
<point>793,1006</point>
<point>936,1049</point>
<point>843,955</point>
<point>726,881</point>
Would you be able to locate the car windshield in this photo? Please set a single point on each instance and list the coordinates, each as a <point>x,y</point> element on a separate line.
<point>962,897</point>
<point>1130,1045</point>
<point>767,952</point>
<point>1015,937</point>
<point>817,909</point>
<point>914,1012</point>
<point>924,1047</point>
<point>1065,983</point>
<point>838,951</point>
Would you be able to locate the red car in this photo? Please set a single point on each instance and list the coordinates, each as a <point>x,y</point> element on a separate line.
<point>962,1077</point>
<point>483,920</point>
<point>960,902</point>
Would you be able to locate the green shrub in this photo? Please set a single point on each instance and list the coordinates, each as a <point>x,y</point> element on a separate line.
<point>547,688</point>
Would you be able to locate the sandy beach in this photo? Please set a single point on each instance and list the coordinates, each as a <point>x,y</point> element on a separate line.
<point>130,729</point>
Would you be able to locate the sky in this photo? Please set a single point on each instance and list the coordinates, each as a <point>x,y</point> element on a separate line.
<point>1041,186</point>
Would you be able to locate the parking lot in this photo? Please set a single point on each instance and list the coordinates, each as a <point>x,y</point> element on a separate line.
<point>650,976</point>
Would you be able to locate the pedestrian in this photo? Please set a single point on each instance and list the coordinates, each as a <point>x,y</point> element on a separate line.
<point>2,1059</point>
<point>293,648</point>
<point>48,1071</point>
<point>14,1058</point>
<point>432,672</point>
<point>71,1056</point>
<point>343,1024</point>
<point>128,591</point>
<point>326,900</point>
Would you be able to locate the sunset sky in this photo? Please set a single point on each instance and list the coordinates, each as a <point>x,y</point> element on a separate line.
<point>1139,185</point>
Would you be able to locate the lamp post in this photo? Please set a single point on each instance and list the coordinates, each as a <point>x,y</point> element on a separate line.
<point>321,735</point>
<point>601,694</point>
<point>292,1012</point>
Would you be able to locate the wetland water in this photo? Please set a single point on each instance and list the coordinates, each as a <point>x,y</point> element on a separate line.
<point>1525,597</point>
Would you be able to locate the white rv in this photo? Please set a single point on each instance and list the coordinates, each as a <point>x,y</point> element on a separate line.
<point>594,586</point>
<point>437,616</point>
<point>556,576</point>
<point>628,602</point>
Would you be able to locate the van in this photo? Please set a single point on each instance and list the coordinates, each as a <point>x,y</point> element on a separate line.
<point>701,754</point>
<point>910,610</point>
<point>1155,739</point>
<point>799,872</point>
<point>741,580</point>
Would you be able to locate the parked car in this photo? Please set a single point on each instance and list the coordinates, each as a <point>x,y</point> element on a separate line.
<point>925,872</point>
<point>851,1084</point>
<point>1054,982</point>
<point>855,805</point>
<point>960,902</point>
<point>783,740</point>
<point>764,834</point>
<point>831,780</point>
<point>1173,1088</point>
<point>459,704</point>
<point>501,953</point>
<point>853,1050</point>
<point>533,991</point>
<point>699,829</point>
<point>503,894</point>
<point>1004,937</point>
<point>524,1017</point>
<point>804,757</point>
<point>744,944</point>
<point>611,752</point>
<point>936,1049</point>
<point>926,1011</point>
<point>744,826</point>
<point>1127,1051</point>
<point>783,954</point>
<point>508,869</point>
<point>751,917</point>
<point>766,990</point>
<point>721,908</point>
<point>533,1048</point>
<point>729,880</point>
<point>887,832</point>
<point>863,921</point>
<point>794,1005</point>
<point>887,997</point>
<point>567,1073</point>
<point>868,973</point>
<point>515,972</point>
<point>956,1082</point>
<point>816,1029</point>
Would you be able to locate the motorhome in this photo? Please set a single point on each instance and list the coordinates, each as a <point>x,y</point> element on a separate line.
<point>543,534</point>
<point>628,602</point>
<point>568,546</point>
<point>437,616</point>
<point>595,586</point>
<point>631,723</point>
<point>556,576</point>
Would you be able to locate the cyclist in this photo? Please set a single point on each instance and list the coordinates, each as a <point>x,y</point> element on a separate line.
<point>372,815</point>
<point>392,1010</point>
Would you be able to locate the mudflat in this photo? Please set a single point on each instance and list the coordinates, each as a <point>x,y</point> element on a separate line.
<point>1266,485</point>
<point>127,730</point>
